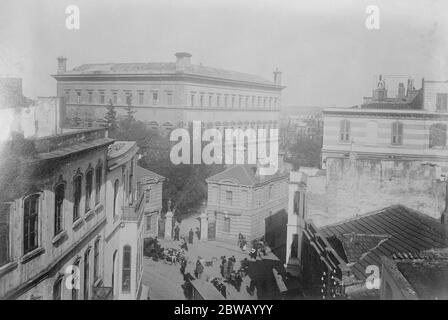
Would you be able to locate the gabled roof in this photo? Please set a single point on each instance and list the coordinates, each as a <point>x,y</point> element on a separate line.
<point>145,175</point>
<point>243,175</point>
<point>407,230</point>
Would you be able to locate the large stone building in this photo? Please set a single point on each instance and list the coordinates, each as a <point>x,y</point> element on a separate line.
<point>71,213</point>
<point>242,201</point>
<point>388,150</point>
<point>169,94</point>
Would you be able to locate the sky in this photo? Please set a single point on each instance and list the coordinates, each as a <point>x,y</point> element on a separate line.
<point>327,55</point>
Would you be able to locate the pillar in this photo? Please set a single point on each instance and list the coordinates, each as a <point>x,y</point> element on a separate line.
<point>168,225</point>
<point>204,226</point>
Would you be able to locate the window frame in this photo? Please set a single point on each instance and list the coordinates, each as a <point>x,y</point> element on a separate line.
<point>229,200</point>
<point>26,243</point>
<point>441,140</point>
<point>88,189</point>
<point>98,181</point>
<point>126,269</point>
<point>344,131</point>
<point>59,214</point>
<point>397,129</point>
<point>77,198</point>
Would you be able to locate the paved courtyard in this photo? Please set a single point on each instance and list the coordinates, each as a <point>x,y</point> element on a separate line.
<point>165,280</point>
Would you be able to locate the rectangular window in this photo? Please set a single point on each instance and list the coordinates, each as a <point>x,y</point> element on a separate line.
<point>78,97</point>
<point>344,134</point>
<point>397,133</point>
<point>30,223</point>
<point>210,100</point>
<point>259,101</point>
<point>441,103</point>
<point>102,97</point>
<point>58,208</point>
<point>225,101</point>
<point>247,102</point>
<point>229,199</point>
<point>169,98</point>
<point>226,226</point>
<point>140,98</point>
<point>192,100</point>
<point>148,222</point>
<point>155,98</point>
<point>98,181</point>
<point>90,96</point>
<point>201,101</point>
<point>115,98</point>
<point>128,98</point>
<point>218,100</point>
<point>437,135</point>
<point>233,101</point>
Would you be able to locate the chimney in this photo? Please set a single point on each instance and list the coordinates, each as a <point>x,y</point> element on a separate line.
<point>62,65</point>
<point>183,59</point>
<point>401,91</point>
<point>277,77</point>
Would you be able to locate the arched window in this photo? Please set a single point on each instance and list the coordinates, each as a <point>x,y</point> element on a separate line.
<point>77,184</point>
<point>57,289</point>
<point>344,131</point>
<point>126,278</point>
<point>397,133</point>
<point>116,185</point>
<point>30,222</point>
<point>437,135</point>
<point>58,207</point>
<point>86,274</point>
<point>89,187</point>
<point>98,181</point>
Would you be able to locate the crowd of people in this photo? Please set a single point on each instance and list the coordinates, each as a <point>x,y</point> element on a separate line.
<point>228,271</point>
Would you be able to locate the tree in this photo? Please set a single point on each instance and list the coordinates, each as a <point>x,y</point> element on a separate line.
<point>305,153</point>
<point>111,117</point>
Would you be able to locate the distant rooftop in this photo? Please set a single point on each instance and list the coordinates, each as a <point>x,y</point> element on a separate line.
<point>182,66</point>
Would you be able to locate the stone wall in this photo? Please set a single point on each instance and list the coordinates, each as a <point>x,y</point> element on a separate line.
<point>359,186</point>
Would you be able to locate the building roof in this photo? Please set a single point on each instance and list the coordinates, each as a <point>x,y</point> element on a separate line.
<point>120,152</point>
<point>163,68</point>
<point>244,175</point>
<point>426,273</point>
<point>413,101</point>
<point>382,233</point>
<point>145,175</point>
